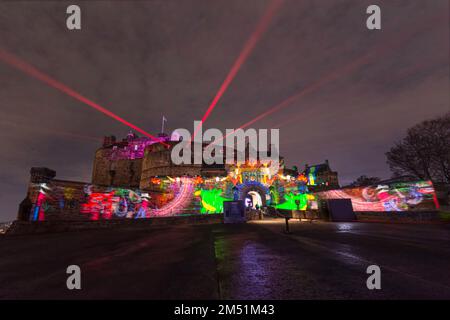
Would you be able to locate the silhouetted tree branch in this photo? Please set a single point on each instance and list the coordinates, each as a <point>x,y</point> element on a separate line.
<point>424,152</point>
<point>364,181</point>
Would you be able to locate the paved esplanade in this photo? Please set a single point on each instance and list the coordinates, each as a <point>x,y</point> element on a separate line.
<point>250,261</point>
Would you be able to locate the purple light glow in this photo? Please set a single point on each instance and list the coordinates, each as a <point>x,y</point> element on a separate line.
<point>133,150</point>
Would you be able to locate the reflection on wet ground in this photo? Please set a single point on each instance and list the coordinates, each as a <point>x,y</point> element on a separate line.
<point>247,268</point>
<point>329,261</point>
<point>255,260</point>
<point>258,265</point>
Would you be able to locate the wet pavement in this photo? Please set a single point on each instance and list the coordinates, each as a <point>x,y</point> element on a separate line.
<point>158,263</point>
<point>250,261</point>
<point>329,261</point>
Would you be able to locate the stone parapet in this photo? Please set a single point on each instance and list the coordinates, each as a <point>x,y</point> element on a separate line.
<point>39,227</point>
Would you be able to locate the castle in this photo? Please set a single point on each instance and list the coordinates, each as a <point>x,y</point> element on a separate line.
<point>135,177</point>
<point>133,161</point>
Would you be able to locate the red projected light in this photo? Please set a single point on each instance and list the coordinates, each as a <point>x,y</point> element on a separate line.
<point>309,89</point>
<point>32,71</point>
<point>246,50</point>
<point>312,87</point>
<point>394,42</point>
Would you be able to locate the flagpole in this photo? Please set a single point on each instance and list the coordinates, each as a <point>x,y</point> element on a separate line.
<point>162,125</point>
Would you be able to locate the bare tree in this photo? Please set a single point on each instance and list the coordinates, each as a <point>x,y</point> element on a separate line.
<point>424,152</point>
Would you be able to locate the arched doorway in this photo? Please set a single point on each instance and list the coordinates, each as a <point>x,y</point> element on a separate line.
<point>253,200</point>
<point>253,194</point>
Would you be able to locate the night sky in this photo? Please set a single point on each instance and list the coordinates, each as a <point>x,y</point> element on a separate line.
<point>145,59</point>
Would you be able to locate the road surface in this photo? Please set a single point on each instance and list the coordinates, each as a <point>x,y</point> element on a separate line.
<point>250,261</point>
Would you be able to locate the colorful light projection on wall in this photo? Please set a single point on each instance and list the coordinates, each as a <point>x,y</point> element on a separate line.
<point>171,196</point>
<point>253,200</point>
<point>155,180</point>
<point>301,201</point>
<point>243,173</point>
<point>184,189</point>
<point>312,176</point>
<point>134,147</point>
<point>302,178</point>
<point>405,196</point>
<point>134,204</point>
<point>38,208</point>
<point>134,150</point>
<point>50,200</point>
<point>254,194</point>
<point>121,203</point>
<point>211,200</point>
<point>280,191</point>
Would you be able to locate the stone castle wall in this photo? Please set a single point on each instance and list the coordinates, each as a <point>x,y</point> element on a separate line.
<point>62,199</point>
<point>157,162</point>
<point>118,173</point>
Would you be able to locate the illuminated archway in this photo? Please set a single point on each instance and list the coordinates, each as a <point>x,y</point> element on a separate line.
<point>253,192</point>
<point>253,199</point>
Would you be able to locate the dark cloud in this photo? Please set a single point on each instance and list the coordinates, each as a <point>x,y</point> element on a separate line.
<point>143,59</point>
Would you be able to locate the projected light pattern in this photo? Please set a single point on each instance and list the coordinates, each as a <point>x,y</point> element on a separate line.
<point>135,149</point>
<point>181,201</point>
<point>312,176</point>
<point>38,210</point>
<point>169,196</point>
<point>250,44</point>
<point>34,72</point>
<point>407,196</point>
<point>133,204</point>
<point>212,200</point>
<point>294,202</point>
<point>201,195</point>
<point>121,203</point>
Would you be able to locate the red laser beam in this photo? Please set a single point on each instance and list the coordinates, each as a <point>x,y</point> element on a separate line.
<point>403,74</point>
<point>29,127</point>
<point>377,52</point>
<point>302,93</point>
<point>262,26</point>
<point>309,89</point>
<point>32,71</point>
<point>295,118</point>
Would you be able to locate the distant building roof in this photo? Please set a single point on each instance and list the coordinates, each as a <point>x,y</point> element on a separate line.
<point>321,167</point>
